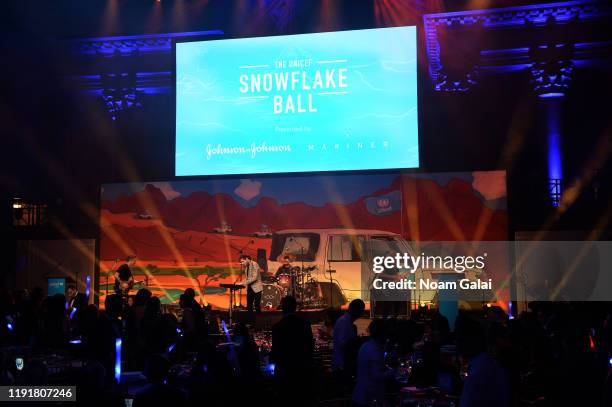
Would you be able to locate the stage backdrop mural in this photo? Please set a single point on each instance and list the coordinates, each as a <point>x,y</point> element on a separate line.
<point>191,233</point>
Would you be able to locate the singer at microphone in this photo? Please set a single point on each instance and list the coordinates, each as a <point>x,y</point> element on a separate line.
<point>253,283</point>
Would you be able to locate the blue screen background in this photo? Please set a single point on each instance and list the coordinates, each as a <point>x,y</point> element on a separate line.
<point>373,124</point>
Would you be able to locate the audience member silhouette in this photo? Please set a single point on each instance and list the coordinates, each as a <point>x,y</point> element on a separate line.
<point>344,331</point>
<point>292,350</point>
<point>486,382</point>
<point>159,392</point>
<point>371,371</point>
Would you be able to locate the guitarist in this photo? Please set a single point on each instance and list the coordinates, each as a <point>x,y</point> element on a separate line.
<point>124,280</point>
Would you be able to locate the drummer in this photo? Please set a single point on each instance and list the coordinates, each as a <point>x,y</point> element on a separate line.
<point>285,268</point>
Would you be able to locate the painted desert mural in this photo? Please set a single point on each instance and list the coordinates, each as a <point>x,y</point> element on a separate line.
<point>191,233</point>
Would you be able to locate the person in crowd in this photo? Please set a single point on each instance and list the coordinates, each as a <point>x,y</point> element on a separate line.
<point>151,326</point>
<point>247,349</point>
<point>440,327</point>
<point>158,330</point>
<point>486,382</point>
<point>76,303</point>
<point>92,389</point>
<point>344,331</point>
<point>190,295</point>
<point>188,322</point>
<point>212,378</point>
<point>28,312</point>
<point>292,352</point>
<point>199,315</point>
<point>159,392</point>
<point>371,371</point>
<point>248,360</point>
<point>76,300</point>
<point>133,325</point>
<point>108,330</point>
<point>54,322</point>
<point>89,329</point>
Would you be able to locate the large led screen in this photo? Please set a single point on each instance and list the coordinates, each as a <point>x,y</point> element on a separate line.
<point>313,102</point>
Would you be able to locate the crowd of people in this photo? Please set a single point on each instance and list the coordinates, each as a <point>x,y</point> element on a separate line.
<point>556,354</point>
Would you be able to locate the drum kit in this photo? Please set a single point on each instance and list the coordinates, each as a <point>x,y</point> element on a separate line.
<point>297,282</point>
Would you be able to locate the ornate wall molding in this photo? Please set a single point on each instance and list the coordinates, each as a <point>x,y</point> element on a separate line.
<point>517,47</point>
<point>151,43</point>
<point>123,70</point>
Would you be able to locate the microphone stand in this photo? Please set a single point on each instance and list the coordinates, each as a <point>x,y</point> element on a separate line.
<point>239,291</point>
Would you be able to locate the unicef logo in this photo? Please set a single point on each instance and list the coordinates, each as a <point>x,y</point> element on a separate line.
<point>383,205</point>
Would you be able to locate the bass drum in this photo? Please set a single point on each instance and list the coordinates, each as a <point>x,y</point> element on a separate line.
<point>271,296</point>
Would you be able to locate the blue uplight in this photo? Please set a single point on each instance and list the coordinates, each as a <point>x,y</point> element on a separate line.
<point>118,359</point>
<point>552,95</point>
<point>554,151</point>
<point>227,334</point>
<point>87,286</point>
<point>554,156</point>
